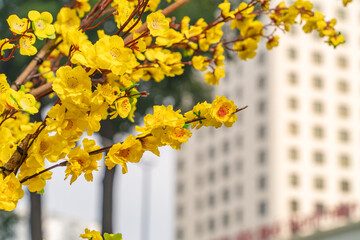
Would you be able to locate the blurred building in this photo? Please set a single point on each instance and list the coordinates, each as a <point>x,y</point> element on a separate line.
<point>290,165</point>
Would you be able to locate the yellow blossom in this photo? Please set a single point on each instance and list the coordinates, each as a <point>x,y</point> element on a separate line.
<point>17,25</point>
<point>42,24</point>
<point>121,153</point>
<point>26,44</point>
<point>93,235</point>
<point>157,23</point>
<point>10,192</point>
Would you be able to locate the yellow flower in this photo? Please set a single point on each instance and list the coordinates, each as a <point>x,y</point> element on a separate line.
<point>345,2</point>
<point>10,192</point>
<point>82,6</point>
<point>5,46</point>
<point>212,78</point>
<point>111,54</point>
<point>157,24</point>
<point>225,9</point>
<point>82,162</point>
<point>222,111</point>
<point>66,19</point>
<point>272,42</point>
<point>123,107</point>
<point>73,86</point>
<point>42,24</point>
<point>26,44</point>
<point>246,49</point>
<point>17,25</point>
<point>128,151</point>
<point>199,62</point>
<point>199,110</point>
<point>21,100</point>
<point>93,235</point>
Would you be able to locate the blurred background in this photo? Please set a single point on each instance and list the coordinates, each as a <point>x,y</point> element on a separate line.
<point>287,169</point>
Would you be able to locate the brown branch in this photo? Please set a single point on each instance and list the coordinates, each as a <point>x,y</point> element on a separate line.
<point>62,164</point>
<point>105,149</point>
<point>166,12</point>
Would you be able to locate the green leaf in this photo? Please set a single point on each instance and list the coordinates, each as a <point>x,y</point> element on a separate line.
<point>53,36</point>
<point>117,236</point>
<point>42,191</point>
<point>22,88</point>
<point>12,97</point>
<point>186,125</point>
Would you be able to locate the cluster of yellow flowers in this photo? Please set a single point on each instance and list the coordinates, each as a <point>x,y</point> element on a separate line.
<point>156,49</point>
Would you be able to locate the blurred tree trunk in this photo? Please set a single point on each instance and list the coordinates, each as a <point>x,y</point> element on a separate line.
<point>35,216</point>
<point>107,134</point>
<point>35,199</point>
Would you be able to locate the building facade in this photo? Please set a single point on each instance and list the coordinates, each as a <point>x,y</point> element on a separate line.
<point>294,153</point>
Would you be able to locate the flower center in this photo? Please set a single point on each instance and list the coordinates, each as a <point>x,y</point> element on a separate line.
<point>124,153</point>
<point>115,52</point>
<point>40,24</point>
<point>72,82</point>
<point>155,24</point>
<point>223,111</point>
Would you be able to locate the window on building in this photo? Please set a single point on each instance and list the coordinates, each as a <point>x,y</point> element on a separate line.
<point>293,103</point>
<point>292,78</point>
<point>261,82</point>
<point>262,182</point>
<point>344,186</point>
<point>344,160</point>
<point>212,176</point>
<point>318,157</point>
<point>261,132</point>
<point>262,157</point>
<point>239,140</point>
<point>226,195</point>
<point>342,86</point>
<point>318,107</point>
<point>318,132</point>
<point>261,107</point>
<point>294,180</point>
<point>319,208</point>
<point>226,170</point>
<point>180,211</point>
<point>211,200</point>
<point>211,224</point>
<point>293,154</point>
<point>226,220</point>
<point>344,135</point>
<point>293,129</point>
<point>226,146</point>
<point>262,208</point>
<point>341,14</point>
<point>292,53</point>
<point>199,180</point>
<point>180,165</point>
<point>317,57</point>
<point>179,233</point>
<point>180,188</point>
<point>211,152</point>
<point>341,62</point>
<point>319,183</point>
<point>343,111</point>
<point>294,206</point>
<point>261,58</point>
<point>318,82</point>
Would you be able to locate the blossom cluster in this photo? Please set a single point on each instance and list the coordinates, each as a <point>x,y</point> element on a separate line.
<point>96,80</point>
